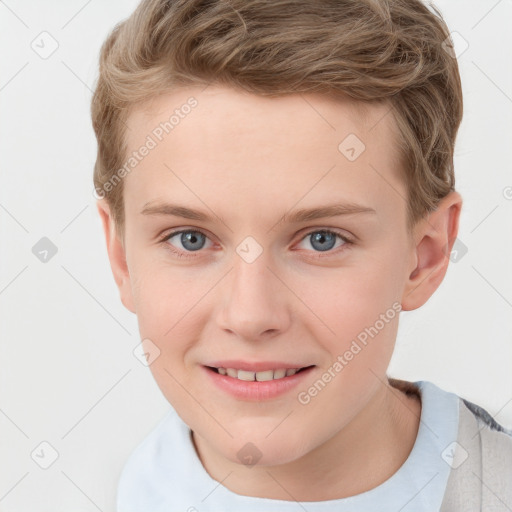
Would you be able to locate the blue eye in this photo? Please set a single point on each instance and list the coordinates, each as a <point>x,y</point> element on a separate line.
<point>323,240</point>
<point>191,240</point>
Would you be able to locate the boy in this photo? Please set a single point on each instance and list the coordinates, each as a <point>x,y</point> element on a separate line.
<point>275,182</point>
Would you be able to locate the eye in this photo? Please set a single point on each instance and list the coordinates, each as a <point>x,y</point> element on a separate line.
<point>191,240</point>
<point>324,240</point>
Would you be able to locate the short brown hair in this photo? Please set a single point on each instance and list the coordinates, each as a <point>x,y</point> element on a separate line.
<point>394,51</point>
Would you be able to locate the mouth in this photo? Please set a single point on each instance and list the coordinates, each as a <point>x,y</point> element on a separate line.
<point>258,376</point>
<point>256,382</point>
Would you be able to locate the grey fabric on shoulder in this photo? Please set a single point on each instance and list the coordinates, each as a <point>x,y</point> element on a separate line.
<point>481,474</point>
<point>481,413</point>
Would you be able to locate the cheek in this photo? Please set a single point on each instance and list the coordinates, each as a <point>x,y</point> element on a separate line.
<point>349,299</point>
<point>164,295</point>
<point>353,313</point>
<point>166,315</point>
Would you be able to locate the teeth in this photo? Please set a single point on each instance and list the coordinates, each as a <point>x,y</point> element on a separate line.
<point>266,375</point>
<point>243,375</point>
<point>258,376</point>
<point>279,374</point>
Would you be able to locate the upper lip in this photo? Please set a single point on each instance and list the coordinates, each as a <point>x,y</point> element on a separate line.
<point>255,366</point>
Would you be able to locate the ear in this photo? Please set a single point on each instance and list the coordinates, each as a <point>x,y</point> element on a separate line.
<point>116,255</point>
<point>434,237</point>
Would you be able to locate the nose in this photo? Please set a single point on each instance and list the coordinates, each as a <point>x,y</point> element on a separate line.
<point>254,303</point>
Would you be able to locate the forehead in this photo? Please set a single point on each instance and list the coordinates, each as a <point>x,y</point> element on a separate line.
<point>220,143</point>
<point>226,111</point>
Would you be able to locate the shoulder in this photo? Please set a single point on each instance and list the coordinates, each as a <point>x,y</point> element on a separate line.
<point>489,444</point>
<point>494,440</point>
<point>481,463</point>
<point>484,418</point>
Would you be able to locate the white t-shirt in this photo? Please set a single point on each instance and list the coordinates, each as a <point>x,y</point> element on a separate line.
<point>164,473</point>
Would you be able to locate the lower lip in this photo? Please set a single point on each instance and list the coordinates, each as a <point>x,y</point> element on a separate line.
<point>254,390</point>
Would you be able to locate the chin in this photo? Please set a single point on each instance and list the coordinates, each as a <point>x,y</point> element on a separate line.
<point>260,451</point>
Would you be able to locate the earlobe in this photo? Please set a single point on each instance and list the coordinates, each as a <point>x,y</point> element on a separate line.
<point>435,237</point>
<point>117,256</point>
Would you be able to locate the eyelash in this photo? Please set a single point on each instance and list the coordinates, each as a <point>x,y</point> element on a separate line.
<point>181,254</point>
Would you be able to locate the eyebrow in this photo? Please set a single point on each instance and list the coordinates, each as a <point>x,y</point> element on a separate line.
<point>297,216</point>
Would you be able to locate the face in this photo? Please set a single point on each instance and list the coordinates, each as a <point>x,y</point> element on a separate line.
<point>252,281</point>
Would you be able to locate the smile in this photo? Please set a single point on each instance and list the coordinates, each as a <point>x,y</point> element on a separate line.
<point>256,384</point>
<point>261,376</point>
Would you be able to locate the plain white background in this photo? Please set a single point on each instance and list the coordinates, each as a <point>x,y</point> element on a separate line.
<point>68,376</point>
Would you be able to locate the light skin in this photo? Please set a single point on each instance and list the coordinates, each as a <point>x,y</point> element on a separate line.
<point>249,160</point>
